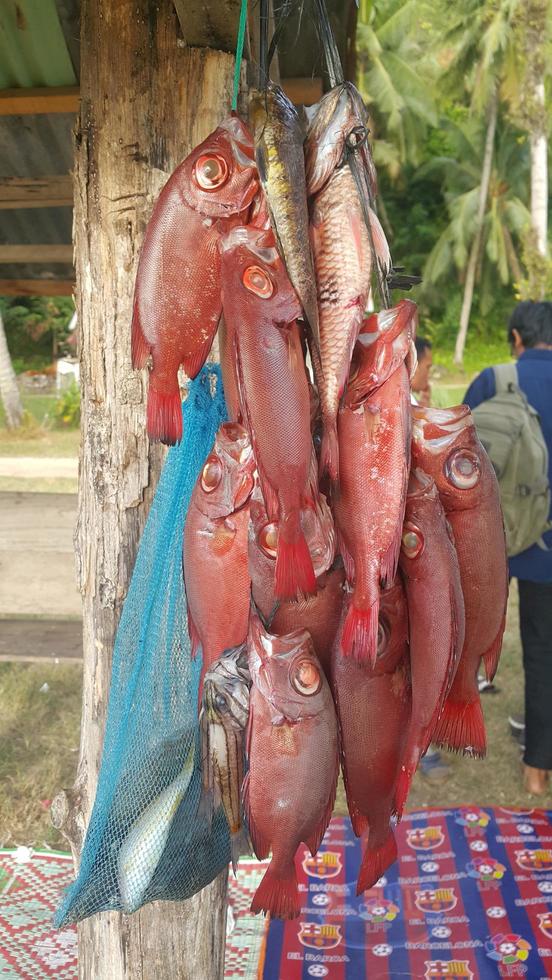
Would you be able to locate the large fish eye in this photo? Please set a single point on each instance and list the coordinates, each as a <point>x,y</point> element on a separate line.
<point>412,541</point>
<point>462,469</point>
<point>210,172</point>
<point>257,281</point>
<point>211,474</point>
<point>268,540</point>
<point>305,678</point>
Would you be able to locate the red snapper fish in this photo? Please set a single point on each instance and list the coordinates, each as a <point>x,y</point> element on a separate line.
<point>289,790</point>
<point>445,445</point>
<point>374,446</point>
<point>177,302</point>
<point>373,707</point>
<point>384,343</point>
<point>260,310</point>
<point>216,574</point>
<point>429,565</point>
<point>319,614</point>
<point>342,255</point>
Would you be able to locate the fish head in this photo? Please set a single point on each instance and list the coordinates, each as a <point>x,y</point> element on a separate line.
<point>257,277</point>
<point>423,510</point>
<point>219,178</point>
<point>272,110</point>
<point>338,121</point>
<point>226,685</point>
<point>383,344</point>
<point>392,628</point>
<point>445,445</point>
<point>227,477</point>
<point>287,673</point>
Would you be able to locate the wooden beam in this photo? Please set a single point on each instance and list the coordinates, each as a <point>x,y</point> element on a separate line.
<point>211,25</point>
<point>36,192</point>
<point>36,253</point>
<point>34,101</point>
<point>302,91</point>
<point>36,287</point>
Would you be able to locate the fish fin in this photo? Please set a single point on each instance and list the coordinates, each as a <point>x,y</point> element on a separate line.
<point>195,639</point>
<point>492,655</point>
<point>278,895</point>
<point>294,569</point>
<point>390,560</point>
<point>461,728</point>
<point>375,862</point>
<point>381,246</point>
<point>315,839</point>
<point>164,417</point>
<point>348,562</point>
<point>239,844</point>
<point>260,845</point>
<point>359,638</point>
<point>193,363</point>
<point>403,789</point>
<point>329,451</point>
<point>139,347</point>
<point>359,822</point>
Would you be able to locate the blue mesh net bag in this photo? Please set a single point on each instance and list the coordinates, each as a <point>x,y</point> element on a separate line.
<point>147,839</point>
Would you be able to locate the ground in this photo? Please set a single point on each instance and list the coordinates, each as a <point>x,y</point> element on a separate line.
<point>40,718</point>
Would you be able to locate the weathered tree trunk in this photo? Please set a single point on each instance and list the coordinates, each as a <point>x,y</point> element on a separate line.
<point>9,392</point>
<point>146,100</point>
<point>469,283</point>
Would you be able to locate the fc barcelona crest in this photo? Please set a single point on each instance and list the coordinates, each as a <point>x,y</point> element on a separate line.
<point>532,859</point>
<point>327,864</point>
<point>545,924</point>
<point>425,838</point>
<point>436,900</point>
<point>319,937</point>
<point>441,969</point>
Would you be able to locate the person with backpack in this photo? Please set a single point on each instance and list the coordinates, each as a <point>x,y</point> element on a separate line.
<point>512,409</point>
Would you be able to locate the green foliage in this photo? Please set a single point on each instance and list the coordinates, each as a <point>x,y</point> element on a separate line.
<point>66,411</point>
<point>36,329</point>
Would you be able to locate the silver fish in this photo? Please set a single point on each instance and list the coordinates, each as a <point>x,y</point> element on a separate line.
<point>223,720</point>
<point>142,848</point>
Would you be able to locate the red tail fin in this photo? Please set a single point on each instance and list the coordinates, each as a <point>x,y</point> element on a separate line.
<point>164,417</point>
<point>294,568</point>
<point>461,728</point>
<point>375,862</point>
<point>329,451</point>
<point>492,655</point>
<point>360,633</point>
<point>278,895</point>
<point>139,347</point>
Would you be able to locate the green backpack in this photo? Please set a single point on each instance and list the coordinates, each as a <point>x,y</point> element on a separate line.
<point>510,430</point>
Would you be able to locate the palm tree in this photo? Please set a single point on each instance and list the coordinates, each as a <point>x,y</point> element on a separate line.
<point>9,392</point>
<point>505,216</point>
<point>395,78</point>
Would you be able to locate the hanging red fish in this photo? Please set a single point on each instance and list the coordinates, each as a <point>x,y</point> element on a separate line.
<point>177,301</point>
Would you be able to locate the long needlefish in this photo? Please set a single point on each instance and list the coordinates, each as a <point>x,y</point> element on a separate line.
<point>223,721</point>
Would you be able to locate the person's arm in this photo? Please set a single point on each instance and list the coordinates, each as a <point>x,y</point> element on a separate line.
<point>481,389</point>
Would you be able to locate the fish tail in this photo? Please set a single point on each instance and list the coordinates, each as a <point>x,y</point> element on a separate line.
<point>375,862</point>
<point>294,569</point>
<point>492,655</point>
<point>461,728</point>
<point>139,348</point>
<point>239,844</point>
<point>329,451</point>
<point>360,632</point>
<point>278,893</point>
<point>164,416</point>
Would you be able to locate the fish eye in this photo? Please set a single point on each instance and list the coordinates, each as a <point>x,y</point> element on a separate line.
<point>211,474</point>
<point>383,638</point>
<point>257,281</point>
<point>220,702</point>
<point>268,540</point>
<point>305,678</point>
<point>412,541</point>
<point>463,469</point>
<point>210,172</point>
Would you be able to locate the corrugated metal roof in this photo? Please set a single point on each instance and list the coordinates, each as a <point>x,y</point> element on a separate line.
<point>39,47</point>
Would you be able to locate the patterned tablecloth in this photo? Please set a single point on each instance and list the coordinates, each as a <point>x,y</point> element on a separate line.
<point>471,896</point>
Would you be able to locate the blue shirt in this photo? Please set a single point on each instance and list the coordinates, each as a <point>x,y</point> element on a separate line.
<point>535,380</point>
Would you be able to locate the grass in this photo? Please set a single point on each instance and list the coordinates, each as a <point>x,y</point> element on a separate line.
<point>44,484</point>
<point>39,732</point>
<point>37,437</point>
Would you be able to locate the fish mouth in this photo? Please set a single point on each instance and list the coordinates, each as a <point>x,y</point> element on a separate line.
<point>420,484</point>
<point>436,428</point>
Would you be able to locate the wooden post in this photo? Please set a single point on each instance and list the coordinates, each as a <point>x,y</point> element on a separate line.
<point>146,100</point>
